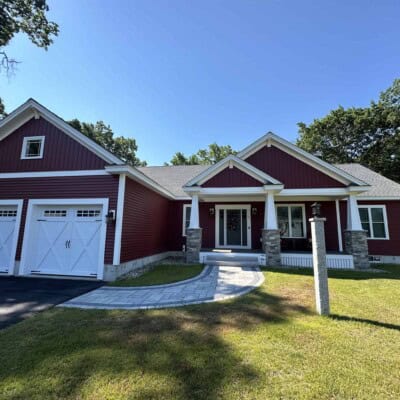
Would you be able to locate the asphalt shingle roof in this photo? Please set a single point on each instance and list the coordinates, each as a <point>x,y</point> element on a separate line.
<point>380,186</point>
<point>173,178</point>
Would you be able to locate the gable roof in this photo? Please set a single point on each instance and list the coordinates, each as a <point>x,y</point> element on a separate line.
<point>32,109</point>
<point>381,187</point>
<point>230,161</point>
<point>328,169</point>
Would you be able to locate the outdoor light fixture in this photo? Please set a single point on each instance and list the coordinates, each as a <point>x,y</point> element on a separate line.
<point>254,211</point>
<point>316,209</point>
<point>110,217</point>
<point>211,210</point>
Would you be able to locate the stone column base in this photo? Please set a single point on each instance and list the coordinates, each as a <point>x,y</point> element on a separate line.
<point>193,245</point>
<point>271,243</point>
<point>355,243</point>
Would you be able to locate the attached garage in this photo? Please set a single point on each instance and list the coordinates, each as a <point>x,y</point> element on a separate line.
<point>10,216</point>
<point>65,237</point>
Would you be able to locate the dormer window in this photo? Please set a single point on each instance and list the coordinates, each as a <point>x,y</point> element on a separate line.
<point>32,147</point>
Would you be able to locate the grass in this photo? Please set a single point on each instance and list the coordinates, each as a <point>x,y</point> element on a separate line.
<point>162,274</point>
<point>269,344</point>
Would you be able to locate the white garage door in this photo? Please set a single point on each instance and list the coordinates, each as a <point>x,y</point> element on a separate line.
<point>66,240</point>
<point>8,218</point>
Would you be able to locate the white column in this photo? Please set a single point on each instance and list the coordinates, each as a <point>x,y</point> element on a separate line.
<point>270,213</point>
<point>353,216</point>
<point>194,213</point>
<point>339,225</point>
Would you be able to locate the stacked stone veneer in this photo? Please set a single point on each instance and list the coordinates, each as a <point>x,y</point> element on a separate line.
<point>271,243</point>
<point>193,245</point>
<point>355,243</point>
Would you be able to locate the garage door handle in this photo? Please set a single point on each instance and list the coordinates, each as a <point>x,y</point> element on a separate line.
<point>67,244</point>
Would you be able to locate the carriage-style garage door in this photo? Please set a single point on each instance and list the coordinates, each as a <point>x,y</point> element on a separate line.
<point>65,240</point>
<point>8,226</point>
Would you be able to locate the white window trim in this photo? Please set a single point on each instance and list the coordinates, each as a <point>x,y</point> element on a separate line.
<point>303,206</point>
<point>225,207</point>
<point>185,207</point>
<point>24,143</point>
<point>385,223</point>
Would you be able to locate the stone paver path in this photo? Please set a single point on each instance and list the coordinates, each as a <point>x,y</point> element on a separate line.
<point>215,283</point>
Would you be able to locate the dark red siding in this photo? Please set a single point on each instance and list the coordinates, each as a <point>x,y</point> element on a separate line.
<point>231,177</point>
<point>62,188</point>
<point>292,172</point>
<point>389,247</point>
<point>61,152</point>
<point>145,228</point>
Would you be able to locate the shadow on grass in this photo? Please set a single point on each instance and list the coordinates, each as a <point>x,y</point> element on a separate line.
<point>177,353</point>
<point>389,271</point>
<point>365,321</point>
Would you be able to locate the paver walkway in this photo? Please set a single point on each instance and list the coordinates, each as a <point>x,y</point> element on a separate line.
<point>213,284</point>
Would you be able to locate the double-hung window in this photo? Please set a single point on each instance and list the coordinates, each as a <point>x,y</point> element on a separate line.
<point>187,208</point>
<point>291,220</point>
<point>374,221</point>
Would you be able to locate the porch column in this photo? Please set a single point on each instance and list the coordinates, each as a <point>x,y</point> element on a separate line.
<point>193,233</point>
<point>271,239</point>
<point>355,238</point>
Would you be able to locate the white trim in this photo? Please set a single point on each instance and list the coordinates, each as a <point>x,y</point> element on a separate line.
<point>289,205</point>
<point>25,142</point>
<point>86,201</point>
<point>231,161</point>
<point>339,225</point>
<point>140,177</point>
<point>119,219</point>
<point>385,222</point>
<point>321,191</point>
<point>52,174</point>
<point>184,209</point>
<point>378,198</point>
<point>19,203</point>
<point>225,207</point>
<point>226,191</point>
<point>32,109</point>
<point>284,145</point>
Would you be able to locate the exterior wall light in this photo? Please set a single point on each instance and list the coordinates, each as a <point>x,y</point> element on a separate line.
<point>254,211</point>
<point>316,209</point>
<point>211,211</point>
<point>110,217</point>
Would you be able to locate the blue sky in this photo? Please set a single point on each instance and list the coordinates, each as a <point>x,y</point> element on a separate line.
<point>177,75</point>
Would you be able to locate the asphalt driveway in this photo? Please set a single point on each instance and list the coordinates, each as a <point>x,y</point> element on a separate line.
<point>21,298</point>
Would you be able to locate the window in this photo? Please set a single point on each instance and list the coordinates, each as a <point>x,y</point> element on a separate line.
<point>55,213</point>
<point>8,213</point>
<point>373,220</point>
<point>291,221</point>
<point>186,218</point>
<point>87,213</point>
<point>32,147</point>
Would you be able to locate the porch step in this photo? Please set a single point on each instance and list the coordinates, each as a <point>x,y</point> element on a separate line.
<point>231,259</point>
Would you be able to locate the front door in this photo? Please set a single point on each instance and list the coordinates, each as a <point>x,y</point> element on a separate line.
<point>233,226</point>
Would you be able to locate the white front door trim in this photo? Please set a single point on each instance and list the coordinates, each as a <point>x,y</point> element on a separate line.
<point>219,207</point>
<point>19,203</point>
<point>64,202</point>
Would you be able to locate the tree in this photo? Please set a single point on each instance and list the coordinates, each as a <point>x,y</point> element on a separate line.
<point>370,135</point>
<point>29,17</point>
<point>102,134</point>
<point>211,155</point>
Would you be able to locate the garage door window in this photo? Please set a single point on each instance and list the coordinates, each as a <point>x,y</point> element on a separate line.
<point>8,213</point>
<point>55,213</point>
<point>88,213</point>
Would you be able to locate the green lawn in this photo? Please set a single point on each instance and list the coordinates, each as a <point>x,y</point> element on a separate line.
<point>162,274</point>
<point>268,344</point>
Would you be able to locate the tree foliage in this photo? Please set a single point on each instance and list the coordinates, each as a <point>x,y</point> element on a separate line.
<point>208,156</point>
<point>102,134</point>
<point>369,135</point>
<point>26,16</point>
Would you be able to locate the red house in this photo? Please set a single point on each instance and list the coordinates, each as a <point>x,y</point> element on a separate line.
<point>69,207</point>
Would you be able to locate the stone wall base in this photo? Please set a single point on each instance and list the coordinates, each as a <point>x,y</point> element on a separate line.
<point>193,245</point>
<point>112,272</point>
<point>355,243</point>
<point>271,243</point>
